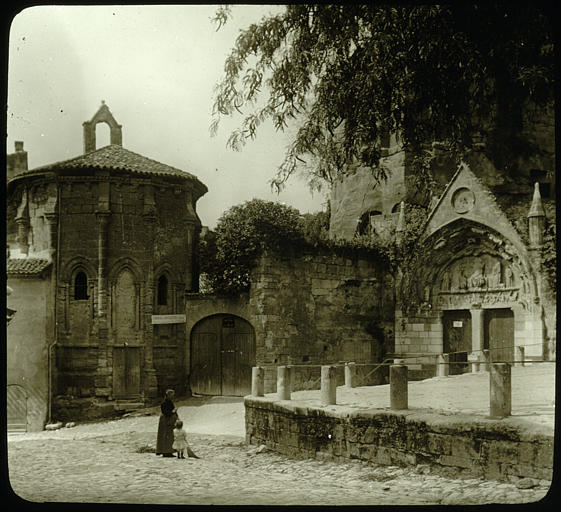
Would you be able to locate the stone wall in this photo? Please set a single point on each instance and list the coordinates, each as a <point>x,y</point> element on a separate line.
<point>311,309</point>
<point>29,335</point>
<point>493,449</point>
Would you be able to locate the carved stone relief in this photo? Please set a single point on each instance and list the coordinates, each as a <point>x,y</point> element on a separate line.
<point>482,279</point>
<point>463,200</point>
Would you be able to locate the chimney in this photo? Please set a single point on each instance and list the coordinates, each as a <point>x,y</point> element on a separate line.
<point>16,162</point>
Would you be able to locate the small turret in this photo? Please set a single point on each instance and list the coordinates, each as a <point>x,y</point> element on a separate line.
<point>536,219</point>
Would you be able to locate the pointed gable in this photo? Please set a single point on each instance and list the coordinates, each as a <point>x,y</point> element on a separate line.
<point>466,197</point>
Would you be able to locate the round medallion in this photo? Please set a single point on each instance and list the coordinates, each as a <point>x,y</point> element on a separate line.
<point>463,200</point>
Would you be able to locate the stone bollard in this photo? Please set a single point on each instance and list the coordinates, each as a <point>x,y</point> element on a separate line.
<point>328,385</point>
<point>484,361</point>
<point>500,390</point>
<point>258,381</point>
<point>284,374</point>
<point>519,356</point>
<point>398,386</point>
<point>442,366</point>
<point>350,375</point>
<point>473,360</point>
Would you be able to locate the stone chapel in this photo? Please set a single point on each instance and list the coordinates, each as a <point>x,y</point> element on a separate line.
<point>105,243</point>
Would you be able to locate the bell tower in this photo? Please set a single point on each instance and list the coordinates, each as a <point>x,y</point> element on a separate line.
<point>103,115</point>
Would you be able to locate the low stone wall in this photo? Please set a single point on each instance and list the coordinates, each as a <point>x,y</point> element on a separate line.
<point>493,449</point>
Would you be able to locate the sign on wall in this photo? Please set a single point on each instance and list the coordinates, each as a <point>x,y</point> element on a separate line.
<point>168,319</point>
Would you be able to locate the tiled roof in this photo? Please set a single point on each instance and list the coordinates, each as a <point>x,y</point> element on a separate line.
<point>118,158</point>
<point>26,266</point>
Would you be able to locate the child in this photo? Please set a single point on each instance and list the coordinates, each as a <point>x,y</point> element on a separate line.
<point>180,444</point>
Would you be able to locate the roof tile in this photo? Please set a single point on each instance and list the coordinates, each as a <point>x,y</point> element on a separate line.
<point>118,158</point>
<point>26,266</point>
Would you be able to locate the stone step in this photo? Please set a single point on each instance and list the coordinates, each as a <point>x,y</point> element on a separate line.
<point>127,406</point>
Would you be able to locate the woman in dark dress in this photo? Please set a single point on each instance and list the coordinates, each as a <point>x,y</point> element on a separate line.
<point>168,418</point>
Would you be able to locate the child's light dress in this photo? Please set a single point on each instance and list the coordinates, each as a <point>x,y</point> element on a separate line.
<point>179,439</point>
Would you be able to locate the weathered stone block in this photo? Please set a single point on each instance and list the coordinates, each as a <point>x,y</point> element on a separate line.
<point>439,444</point>
<point>465,447</point>
<point>460,462</point>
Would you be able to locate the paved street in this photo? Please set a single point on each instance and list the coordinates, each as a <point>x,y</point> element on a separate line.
<point>113,462</point>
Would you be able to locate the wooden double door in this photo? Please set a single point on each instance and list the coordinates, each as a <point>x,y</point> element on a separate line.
<point>499,334</point>
<point>222,356</point>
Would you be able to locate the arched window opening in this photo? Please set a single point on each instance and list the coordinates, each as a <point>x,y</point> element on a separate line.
<point>80,286</point>
<point>396,207</point>
<point>162,291</point>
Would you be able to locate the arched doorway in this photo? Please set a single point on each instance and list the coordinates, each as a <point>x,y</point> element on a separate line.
<point>16,408</point>
<point>222,355</point>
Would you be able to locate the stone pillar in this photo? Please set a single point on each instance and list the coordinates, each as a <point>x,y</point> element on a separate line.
<point>350,375</point>
<point>328,385</point>
<point>102,243</point>
<point>103,374</point>
<point>442,365</point>
<point>477,332</point>
<point>500,390</point>
<point>284,374</point>
<point>257,381</point>
<point>398,387</point>
<point>484,361</point>
<point>22,221</point>
<point>21,237</point>
<point>519,354</point>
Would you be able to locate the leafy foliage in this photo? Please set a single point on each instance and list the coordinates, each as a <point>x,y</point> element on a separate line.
<point>228,254</point>
<point>458,73</point>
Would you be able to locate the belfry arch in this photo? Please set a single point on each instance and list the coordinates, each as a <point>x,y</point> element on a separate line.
<point>103,115</point>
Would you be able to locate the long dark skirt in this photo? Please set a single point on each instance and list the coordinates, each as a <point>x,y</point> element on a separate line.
<point>164,442</point>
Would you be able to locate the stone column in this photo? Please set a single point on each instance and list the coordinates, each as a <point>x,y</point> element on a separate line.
<point>102,246</point>
<point>477,333</point>
<point>500,390</point>
<point>23,230</point>
<point>284,374</point>
<point>257,381</point>
<point>150,377</point>
<point>442,365</point>
<point>350,375</point>
<point>328,385</point>
<point>103,374</point>
<point>398,387</point>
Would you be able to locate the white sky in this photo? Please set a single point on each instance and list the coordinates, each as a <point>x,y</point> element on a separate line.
<point>155,67</point>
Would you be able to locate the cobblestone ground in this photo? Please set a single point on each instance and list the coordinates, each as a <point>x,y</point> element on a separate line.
<point>114,461</point>
<point>122,468</point>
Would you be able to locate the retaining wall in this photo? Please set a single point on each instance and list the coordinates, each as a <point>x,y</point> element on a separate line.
<point>493,449</point>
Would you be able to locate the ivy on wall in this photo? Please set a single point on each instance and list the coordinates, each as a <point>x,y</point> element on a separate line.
<point>229,253</point>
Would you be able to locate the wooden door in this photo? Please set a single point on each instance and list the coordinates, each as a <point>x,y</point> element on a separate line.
<point>16,408</point>
<point>126,372</point>
<point>222,355</point>
<point>457,339</point>
<point>205,376</point>
<point>238,356</point>
<point>499,334</point>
